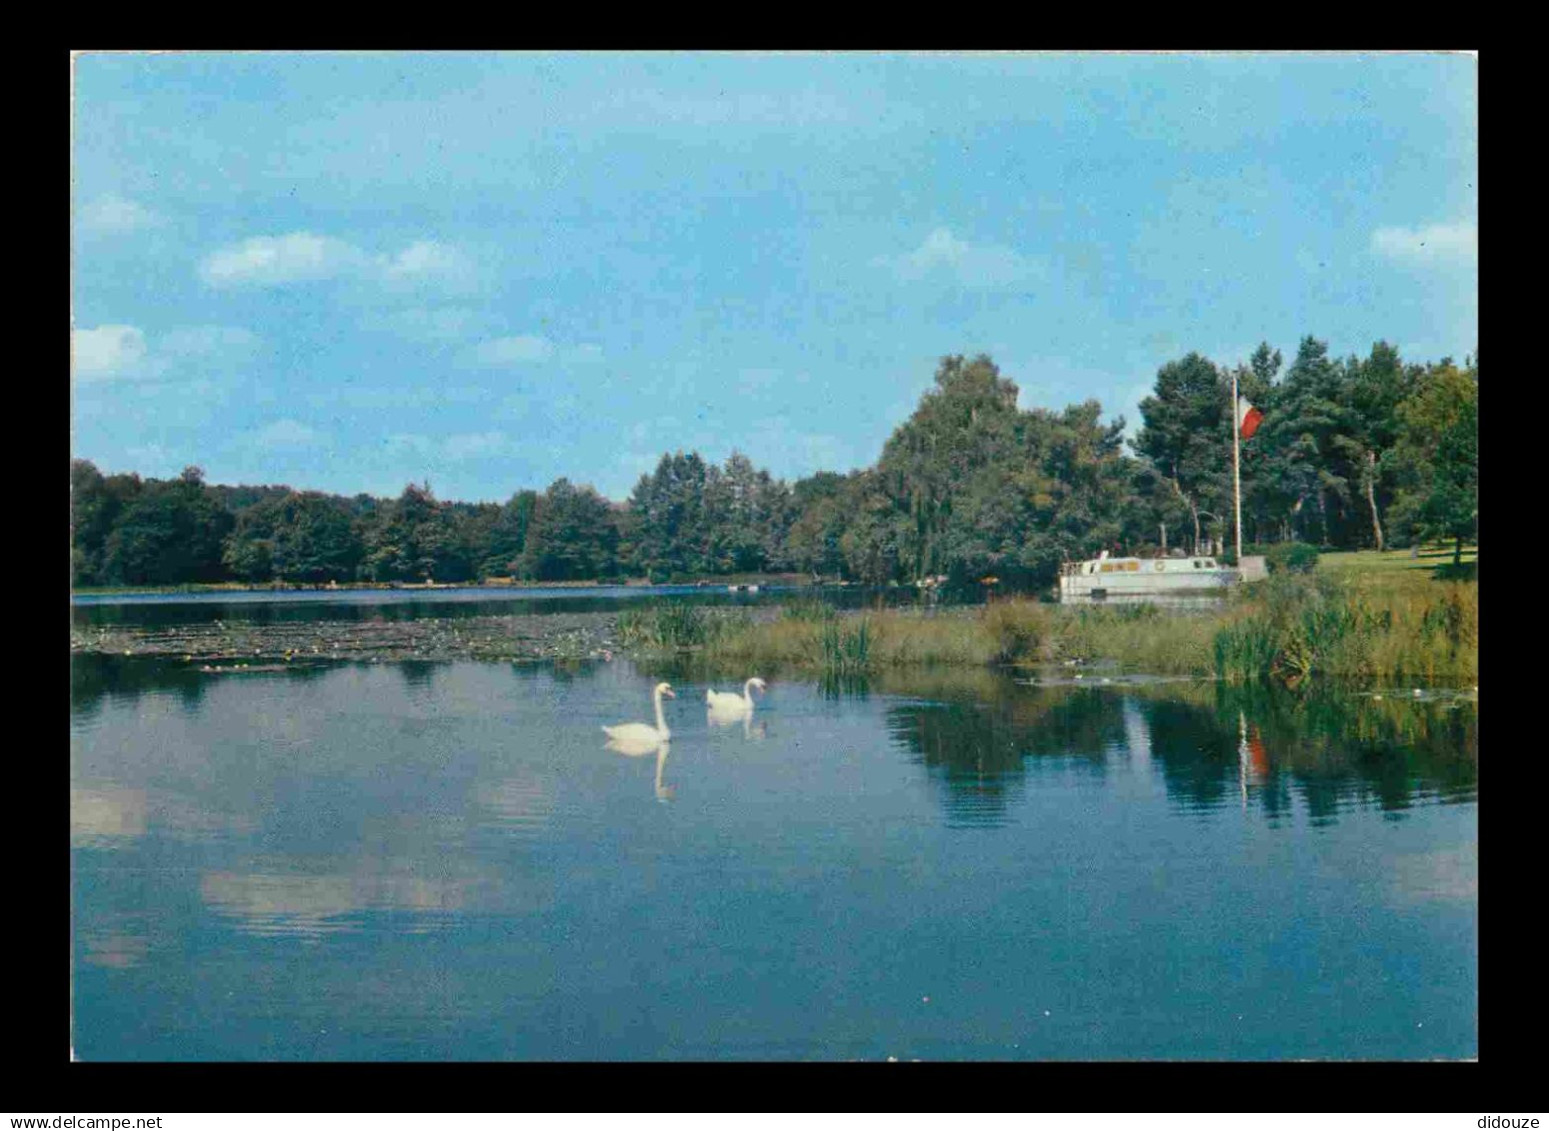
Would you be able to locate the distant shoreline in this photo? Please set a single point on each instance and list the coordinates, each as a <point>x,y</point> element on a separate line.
<point>793,580</point>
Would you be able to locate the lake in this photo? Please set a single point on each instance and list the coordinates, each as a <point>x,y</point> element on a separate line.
<point>268,606</point>
<point>443,861</point>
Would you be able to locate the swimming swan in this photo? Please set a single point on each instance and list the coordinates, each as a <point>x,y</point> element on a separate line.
<point>642,738</point>
<point>725,703</point>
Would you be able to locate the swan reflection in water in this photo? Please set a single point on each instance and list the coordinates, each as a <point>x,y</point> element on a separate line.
<point>750,730</point>
<point>663,792</point>
<point>639,748</point>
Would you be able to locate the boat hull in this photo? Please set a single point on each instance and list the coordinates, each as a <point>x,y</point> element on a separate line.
<point>1174,578</point>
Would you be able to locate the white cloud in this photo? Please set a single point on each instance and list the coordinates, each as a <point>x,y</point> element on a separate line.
<point>330,397</point>
<point>155,460</point>
<point>275,260</point>
<point>205,342</point>
<point>427,324</point>
<point>113,215</point>
<point>435,452</point>
<point>303,257</point>
<point>110,351</point>
<point>1436,243</point>
<point>644,106</point>
<point>401,442</point>
<point>584,354</point>
<point>971,265</point>
<point>527,349</point>
<point>476,445</point>
<point>427,261</point>
<point>124,352</point>
<point>287,434</point>
<point>519,350</point>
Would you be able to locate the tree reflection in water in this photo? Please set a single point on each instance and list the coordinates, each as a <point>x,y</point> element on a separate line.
<point>95,675</point>
<point>1212,744</point>
<point>975,731</point>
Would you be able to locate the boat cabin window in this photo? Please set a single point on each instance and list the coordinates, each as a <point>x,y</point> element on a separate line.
<point>1197,563</point>
<point>1210,563</point>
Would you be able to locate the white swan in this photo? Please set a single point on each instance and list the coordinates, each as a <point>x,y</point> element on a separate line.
<point>728,705</point>
<point>642,738</point>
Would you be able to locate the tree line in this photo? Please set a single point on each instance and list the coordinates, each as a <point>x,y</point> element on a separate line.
<point>1355,453</point>
<point>1352,453</point>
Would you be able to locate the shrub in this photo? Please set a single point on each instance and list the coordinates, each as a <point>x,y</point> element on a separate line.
<point>809,610</point>
<point>1018,629</point>
<point>1291,557</point>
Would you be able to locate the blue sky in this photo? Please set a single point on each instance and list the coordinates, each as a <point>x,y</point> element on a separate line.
<point>347,272</point>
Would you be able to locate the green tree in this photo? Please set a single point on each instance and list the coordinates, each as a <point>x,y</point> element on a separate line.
<point>876,537</point>
<point>670,523</point>
<point>1313,447</point>
<point>303,537</point>
<point>96,502</point>
<point>747,513</point>
<point>172,533</point>
<point>315,540</point>
<point>1187,436</point>
<point>406,540</point>
<point>971,486</point>
<point>820,514</point>
<point>965,425</point>
<point>1378,385</point>
<point>574,536</point>
<point>508,535</point>
<point>249,550</point>
<point>1436,457</point>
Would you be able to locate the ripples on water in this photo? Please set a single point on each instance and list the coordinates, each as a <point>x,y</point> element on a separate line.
<point>443,861</point>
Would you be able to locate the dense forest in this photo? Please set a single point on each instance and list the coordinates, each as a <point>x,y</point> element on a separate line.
<point>1353,453</point>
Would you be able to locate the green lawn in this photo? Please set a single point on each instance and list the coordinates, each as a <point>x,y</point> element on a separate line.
<point>1390,560</point>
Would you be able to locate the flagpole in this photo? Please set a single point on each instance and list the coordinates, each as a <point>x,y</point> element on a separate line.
<point>1236,473</point>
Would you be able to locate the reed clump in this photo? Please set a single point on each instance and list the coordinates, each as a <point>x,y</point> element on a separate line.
<point>1351,627</point>
<point>1139,637</point>
<point>827,640</point>
<point>671,627</point>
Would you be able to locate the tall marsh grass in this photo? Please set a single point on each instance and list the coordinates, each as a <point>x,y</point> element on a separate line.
<point>668,627</point>
<point>1351,627</point>
<point>1139,637</point>
<point>1384,626</point>
<point>858,643</point>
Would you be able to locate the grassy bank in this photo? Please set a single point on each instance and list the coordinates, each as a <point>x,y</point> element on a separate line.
<point>1353,621</point>
<point>1368,626</point>
<point>1423,563</point>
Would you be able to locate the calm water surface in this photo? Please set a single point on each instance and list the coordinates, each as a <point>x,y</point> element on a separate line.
<point>265,606</point>
<point>444,862</point>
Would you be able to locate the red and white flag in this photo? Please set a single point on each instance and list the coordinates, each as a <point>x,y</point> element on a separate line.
<point>1248,419</point>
